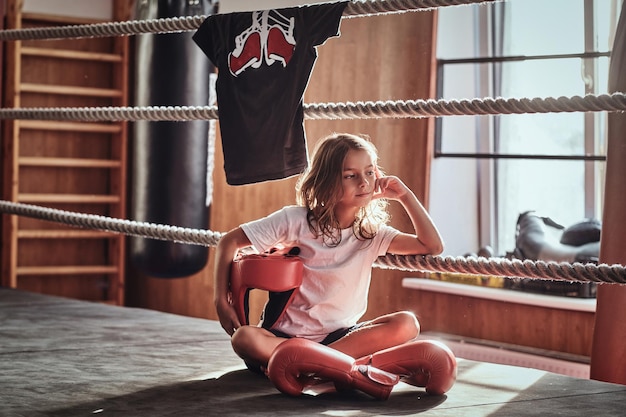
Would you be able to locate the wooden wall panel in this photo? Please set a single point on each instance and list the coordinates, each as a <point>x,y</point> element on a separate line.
<point>376,58</point>
<point>537,327</point>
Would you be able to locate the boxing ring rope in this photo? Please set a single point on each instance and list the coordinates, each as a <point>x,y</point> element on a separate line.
<point>349,110</point>
<point>179,24</point>
<point>362,110</point>
<point>499,267</point>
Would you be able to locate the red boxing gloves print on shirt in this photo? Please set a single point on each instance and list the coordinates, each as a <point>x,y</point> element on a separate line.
<point>269,39</point>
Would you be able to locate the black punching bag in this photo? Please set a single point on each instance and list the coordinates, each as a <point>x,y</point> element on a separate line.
<point>170,158</point>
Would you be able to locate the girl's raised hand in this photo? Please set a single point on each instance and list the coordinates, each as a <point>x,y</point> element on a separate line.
<point>389,187</point>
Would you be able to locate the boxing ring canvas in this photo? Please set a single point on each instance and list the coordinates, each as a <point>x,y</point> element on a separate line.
<point>64,357</point>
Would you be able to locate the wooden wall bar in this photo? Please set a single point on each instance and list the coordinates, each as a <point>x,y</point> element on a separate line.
<point>70,166</point>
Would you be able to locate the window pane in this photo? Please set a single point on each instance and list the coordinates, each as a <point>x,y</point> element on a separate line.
<point>455,32</point>
<point>545,133</point>
<point>602,75</point>
<point>458,134</point>
<point>539,27</point>
<point>543,78</point>
<point>551,188</point>
<point>460,80</point>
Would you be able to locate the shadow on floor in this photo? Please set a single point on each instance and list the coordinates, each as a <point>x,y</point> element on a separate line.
<point>241,393</point>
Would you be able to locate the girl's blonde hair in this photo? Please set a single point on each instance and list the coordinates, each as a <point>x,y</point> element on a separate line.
<point>319,189</point>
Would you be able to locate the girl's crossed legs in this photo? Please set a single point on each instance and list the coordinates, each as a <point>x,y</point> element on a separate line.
<point>255,344</point>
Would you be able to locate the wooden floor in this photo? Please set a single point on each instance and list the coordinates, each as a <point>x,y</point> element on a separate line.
<point>61,357</point>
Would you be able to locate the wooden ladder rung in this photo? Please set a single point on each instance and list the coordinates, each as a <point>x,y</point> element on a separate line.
<point>58,19</point>
<point>70,126</point>
<point>67,162</point>
<point>70,54</point>
<point>67,270</point>
<point>69,90</point>
<point>68,198</point>
<point>64,234</point>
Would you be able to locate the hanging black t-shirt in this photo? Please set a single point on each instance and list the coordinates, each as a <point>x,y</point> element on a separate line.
<point>265,59</point>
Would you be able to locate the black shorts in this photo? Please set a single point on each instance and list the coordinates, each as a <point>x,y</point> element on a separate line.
<point>331,338</point>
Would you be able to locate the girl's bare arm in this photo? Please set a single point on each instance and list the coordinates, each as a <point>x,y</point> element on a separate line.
<point>426,240</point>
<point>227,248</point>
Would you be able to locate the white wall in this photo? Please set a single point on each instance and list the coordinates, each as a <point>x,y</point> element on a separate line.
<point>227,6</point>
<point>97,9</point>
<point>103,9</point>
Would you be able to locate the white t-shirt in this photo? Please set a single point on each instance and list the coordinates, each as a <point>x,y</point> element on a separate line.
<point>336,280</point>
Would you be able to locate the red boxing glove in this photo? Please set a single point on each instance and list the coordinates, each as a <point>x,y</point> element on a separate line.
<point>423,363</point>
<point>298,363</point>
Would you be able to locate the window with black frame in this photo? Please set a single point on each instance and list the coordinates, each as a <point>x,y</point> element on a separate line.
<point>550,163</point>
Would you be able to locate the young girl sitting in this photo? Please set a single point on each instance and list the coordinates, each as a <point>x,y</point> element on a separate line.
<point>340,227</point>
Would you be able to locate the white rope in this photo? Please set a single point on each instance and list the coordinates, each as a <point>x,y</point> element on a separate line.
<point>358,110</point>
<point>466,107</point>
<point>127,227</point>
<point>506,267</point>
<point>349,110</point>
<point>189,23</point>
<point>372,7</point>
<point>498,267</point>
